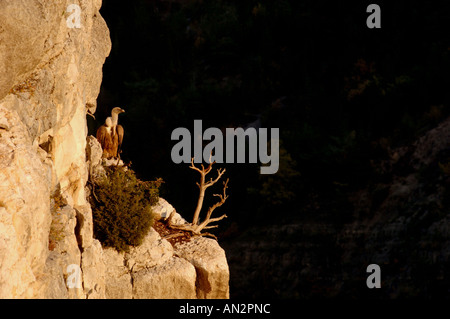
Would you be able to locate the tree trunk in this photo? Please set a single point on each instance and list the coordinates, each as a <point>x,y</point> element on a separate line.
<point>201,196</point>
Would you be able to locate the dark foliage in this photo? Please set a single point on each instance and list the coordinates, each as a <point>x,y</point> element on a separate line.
<point>121,208</point>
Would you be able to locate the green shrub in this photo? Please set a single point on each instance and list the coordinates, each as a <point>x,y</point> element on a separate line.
<point>121,208</point>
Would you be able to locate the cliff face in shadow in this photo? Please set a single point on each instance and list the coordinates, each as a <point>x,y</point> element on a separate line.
<point>400,223</point>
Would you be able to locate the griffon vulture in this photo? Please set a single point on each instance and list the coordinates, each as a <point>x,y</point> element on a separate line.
<point>110,134</point>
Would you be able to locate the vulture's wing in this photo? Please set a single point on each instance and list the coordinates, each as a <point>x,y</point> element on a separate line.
<point>104,138</point>
<point>120,132</point>
<point>101,135</point>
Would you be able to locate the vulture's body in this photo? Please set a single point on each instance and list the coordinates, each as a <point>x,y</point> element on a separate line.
<point>110,134</point>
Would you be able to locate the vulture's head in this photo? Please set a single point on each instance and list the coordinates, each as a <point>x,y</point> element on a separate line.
<point>117,110</point>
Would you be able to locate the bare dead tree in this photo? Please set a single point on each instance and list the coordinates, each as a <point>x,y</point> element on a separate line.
<point>195,227</point>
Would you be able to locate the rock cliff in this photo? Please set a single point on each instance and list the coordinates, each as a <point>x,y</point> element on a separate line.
<point>51,76</point>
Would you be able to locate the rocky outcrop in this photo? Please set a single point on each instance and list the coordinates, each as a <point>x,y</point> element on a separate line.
<point>51,76</point>
<point>210,264</point>
<point>155,269</point>
<point>178,277</point>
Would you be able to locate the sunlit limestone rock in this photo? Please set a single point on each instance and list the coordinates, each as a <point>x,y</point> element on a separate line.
<point>150,270</point>
<point>210,264</point>
<point>118,284</point>
<point>64,242</point>
<point>175,279</point>
<point>24,210</point>
<point>50,75</point>
<point>154,251</point>
<point>163,209</point>
<point>94,271</point>
<point>94,158</point>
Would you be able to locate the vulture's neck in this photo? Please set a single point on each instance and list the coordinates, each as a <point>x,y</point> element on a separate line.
<point>115,118</point>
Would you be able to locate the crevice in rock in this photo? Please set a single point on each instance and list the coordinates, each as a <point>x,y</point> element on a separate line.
<point>78,226</point>
<point>202,285</point>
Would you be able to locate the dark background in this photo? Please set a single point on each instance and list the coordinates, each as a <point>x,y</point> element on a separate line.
<point>343,96</point>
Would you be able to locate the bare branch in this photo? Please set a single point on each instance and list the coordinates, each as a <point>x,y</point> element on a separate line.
<point>210,154</point>
<point>186,227</point>
<point>194,167</point>
<point>208,218</point>
<point>195,227</point>
<point>212,220</point>
<point>220,172</point>
<point>209,168</point>
<point>174,235</point>
<point>212,226</point>
<point>208,234</point>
